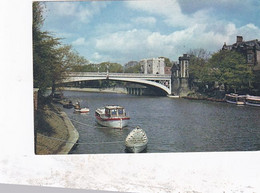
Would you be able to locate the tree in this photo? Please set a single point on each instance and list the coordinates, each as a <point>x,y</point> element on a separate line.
<point>40,78</point>
<point>44,53</point>
<point>167,61</point>
<point>229,68</point>
<point>51,59</point>
<point>199,69</point>
<point>111,67</point>
<point>134,69</point>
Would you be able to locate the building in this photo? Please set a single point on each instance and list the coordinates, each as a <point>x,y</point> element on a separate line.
<point>250,50</point>
<point>181,69</point>
<point>153,66</point>
<point>180,76</point>
<point>184,66</point>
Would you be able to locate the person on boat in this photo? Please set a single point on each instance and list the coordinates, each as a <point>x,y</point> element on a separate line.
<point>77,105</point>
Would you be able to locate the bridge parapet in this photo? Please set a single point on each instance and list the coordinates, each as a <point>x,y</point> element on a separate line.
<point>134,75</point>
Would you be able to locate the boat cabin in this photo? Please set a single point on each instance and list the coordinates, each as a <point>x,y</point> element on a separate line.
<point>115,111</point>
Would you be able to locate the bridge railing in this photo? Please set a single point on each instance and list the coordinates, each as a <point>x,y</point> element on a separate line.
<point>140,75</point>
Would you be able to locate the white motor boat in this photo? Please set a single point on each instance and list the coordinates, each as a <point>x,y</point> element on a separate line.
<point>112,116</point>
<point>79,109</point>
<point>136,141</point>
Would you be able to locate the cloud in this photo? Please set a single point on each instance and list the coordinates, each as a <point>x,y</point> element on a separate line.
<point>83,12</point>
<point>64,8</point>
<point>139,44</point>
<point>155,28</point>
<point>79,42</point>
<point>169,10</point>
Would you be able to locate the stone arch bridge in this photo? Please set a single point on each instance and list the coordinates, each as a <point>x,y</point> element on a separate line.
<point>162,82</point>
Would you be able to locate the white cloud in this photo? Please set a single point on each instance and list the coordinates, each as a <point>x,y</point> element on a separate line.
<point>169,9</point>
<point>121,42</point>
<point>249,31</point>
<point>82,12</point>
<point>144,44</point>
<point>64,8</point>
<point>79,42</point>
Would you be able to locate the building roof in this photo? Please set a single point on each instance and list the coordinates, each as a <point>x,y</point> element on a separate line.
<point>114,107</point>
<point>243,44</point>
<point>184,57</point>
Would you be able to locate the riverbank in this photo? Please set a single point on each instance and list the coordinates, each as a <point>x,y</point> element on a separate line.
<point>214,97</point>
<point>204,98</point>
<point>55,134</point>
<point>102,90</point>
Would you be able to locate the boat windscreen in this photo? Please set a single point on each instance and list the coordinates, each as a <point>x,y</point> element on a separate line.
<point>113,112</point>
<point>120,111</point>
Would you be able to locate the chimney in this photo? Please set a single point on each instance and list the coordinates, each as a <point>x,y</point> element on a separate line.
<point>239,39</point>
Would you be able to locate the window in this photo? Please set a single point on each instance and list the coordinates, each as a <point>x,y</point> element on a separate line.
<point>120,111</point>
<point>249,58</point>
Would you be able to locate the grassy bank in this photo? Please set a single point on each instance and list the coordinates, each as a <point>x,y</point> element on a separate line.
<point>55,134</point>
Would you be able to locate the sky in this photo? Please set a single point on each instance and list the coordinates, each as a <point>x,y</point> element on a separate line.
<point>122,31</point>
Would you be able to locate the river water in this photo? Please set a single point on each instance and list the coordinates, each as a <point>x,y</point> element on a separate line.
<point>172,125</point>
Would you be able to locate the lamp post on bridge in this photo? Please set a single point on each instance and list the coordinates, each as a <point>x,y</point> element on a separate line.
<point>107,70</point>
<point>98,68</point>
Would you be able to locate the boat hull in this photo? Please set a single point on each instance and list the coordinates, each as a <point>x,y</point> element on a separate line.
<point>235,99</point>
<point>113,123</point>
<point>136,148</point>
<point>231,102</point>
<point>82,110</point>
<point>252,104</point>
<point>253,100</point>
<point>237,102</point>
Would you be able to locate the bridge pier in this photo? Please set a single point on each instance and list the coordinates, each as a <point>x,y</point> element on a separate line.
<point>135,91</point>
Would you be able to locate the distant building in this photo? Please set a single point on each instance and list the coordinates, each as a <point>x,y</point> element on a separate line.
<point>153,66</point>
<point>250,50</point>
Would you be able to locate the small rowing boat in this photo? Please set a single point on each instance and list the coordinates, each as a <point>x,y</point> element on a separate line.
<point>136,141</point>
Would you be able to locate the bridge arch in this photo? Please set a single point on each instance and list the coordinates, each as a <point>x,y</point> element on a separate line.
<point>151,80</point>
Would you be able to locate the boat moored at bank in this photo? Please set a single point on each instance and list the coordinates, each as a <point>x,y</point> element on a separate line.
<point>253,100</point>
<point>235,99</point>
<point>79,109</point>
<point>112,116</point>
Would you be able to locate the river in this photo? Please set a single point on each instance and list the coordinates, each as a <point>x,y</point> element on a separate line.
<point>172,125</point>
